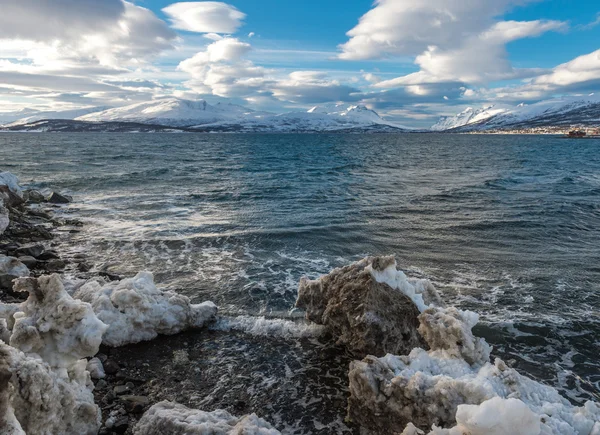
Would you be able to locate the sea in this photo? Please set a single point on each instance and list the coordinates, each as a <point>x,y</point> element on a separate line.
<point>504,225</point>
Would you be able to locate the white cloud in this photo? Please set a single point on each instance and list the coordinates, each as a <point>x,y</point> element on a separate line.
<point>480,58</point>
<point>205,17</point>
<point>408,27</point>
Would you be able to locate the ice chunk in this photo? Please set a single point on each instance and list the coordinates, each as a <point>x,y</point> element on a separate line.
<point>96,369</point>
<point>46,388</point>
<point>36,399</point>
<point>12,182</point>
<point>173,418</point>
<point>364,312</point>
<point>136,310</point>
<point>450,329</point>
<point>429,387</point>
<point>53,325</point>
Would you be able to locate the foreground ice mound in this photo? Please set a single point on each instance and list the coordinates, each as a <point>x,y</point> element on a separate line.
<point>45,388</point>
<point>136,310</point>
<point>370,306</point>
<point>175,419</point>
<point>37,399</point>
<point>453,383</point>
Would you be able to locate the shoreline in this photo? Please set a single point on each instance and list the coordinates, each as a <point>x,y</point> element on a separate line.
<point>131,378</point>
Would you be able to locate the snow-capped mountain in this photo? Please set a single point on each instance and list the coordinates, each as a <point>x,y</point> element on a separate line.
<point>565,111</point>
<point>28,115</point>
<point>172,112</point>
<point>180,114</point>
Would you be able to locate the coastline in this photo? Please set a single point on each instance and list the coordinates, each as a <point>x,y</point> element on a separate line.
<point>129,379</point>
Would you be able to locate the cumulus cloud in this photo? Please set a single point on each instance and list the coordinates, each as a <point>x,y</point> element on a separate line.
<point>205,17</point>
<point>312,87</point>
<point>480,58</point>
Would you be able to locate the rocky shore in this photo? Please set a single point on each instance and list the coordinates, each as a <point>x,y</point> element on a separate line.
<point>83,351</point>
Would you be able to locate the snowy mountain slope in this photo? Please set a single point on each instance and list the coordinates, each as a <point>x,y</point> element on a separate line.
<point>38,115</point>
<point>319,118</point>
<point>556,112</point>
<point>202,116</point>
<point>173,112</point>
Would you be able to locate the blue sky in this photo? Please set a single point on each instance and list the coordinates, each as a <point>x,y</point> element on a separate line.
<point>410,60</point>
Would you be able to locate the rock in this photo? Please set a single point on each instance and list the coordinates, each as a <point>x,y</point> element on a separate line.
<point>94,366</point>
<point>10,269</point>
<point>32,250</point>
<point>84,267</point>
<point>121,389</point>
<point>367,316</point>
<point>4,218</point>
<point>173,418</point>
<point>134,404</point>
<point>33,197</point>
<point>111,367</point>
<point>120,425</point>
<point>101,384</point>
<point>28,261</point>
<point>55,265</point>
<point>57,198</point>
<point>48,255</point>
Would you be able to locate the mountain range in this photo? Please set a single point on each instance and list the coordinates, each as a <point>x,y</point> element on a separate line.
<point>560,112</point>
<point>175,114</point>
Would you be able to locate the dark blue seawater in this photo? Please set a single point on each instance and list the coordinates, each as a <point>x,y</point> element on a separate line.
<point>508,226</point>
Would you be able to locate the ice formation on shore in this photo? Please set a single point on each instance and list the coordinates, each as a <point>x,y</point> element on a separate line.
<point>175,419</point>
<point>136,310</point>
<point>13,267</point>
<point>369,306</point>
<point>12,182</point>
<point>454,383</point>
<point>46,388</point>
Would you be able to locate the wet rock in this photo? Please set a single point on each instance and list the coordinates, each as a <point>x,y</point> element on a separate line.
<point>28,261</point>
<point>366,316</point>
<point>33,197</point>
<point>55,265</point>
<point>134,404</point>
<point>84,267</point>
<point>101,384</point>
<point>120,425</point>
<point>39,214</point>
<point>111,367</point>
<point>48,255</point>
<point>32,250</point>
<point>11,199</point>
<point>121,389</point>
<point>57,198</point>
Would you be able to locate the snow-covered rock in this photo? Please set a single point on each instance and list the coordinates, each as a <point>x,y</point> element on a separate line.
<point>428,387</point>
<point>175,419</point>
<point>369,306</point>
<point>46,388</point>
<point>136,310</point>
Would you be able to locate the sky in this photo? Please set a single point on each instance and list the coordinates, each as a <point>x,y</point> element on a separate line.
<point>412,61</point>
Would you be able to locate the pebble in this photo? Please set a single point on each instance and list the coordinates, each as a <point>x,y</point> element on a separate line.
<point>121,389</point>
